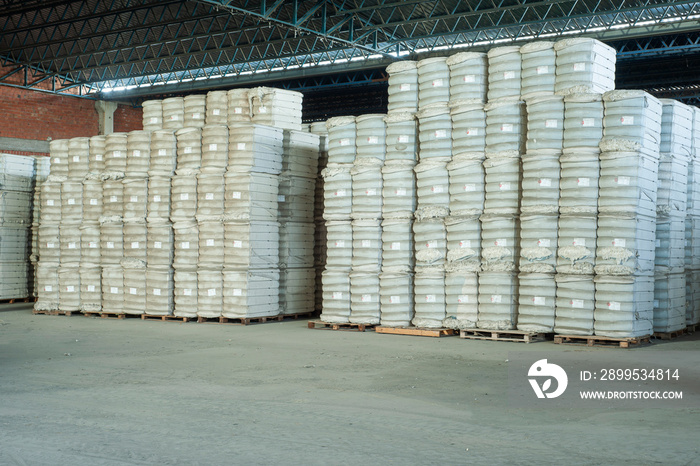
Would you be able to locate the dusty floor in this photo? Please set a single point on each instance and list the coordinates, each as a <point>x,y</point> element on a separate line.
<point>84,391</point>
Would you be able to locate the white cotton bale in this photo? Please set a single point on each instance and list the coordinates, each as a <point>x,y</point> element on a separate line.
<point>160,289</point>
<point>669,302</point>
<point>435,132</point>
<point>78,158</point>
<point>113,289</point>
<point>502,185</point>
<point>364,298</point>
<point>432,188</point>
<point>296,197</point>
<point>163,153</point>
<point>48,293</point>
<point>576,244</point>
<point>135,199</point>
<point>49,243</point>
<point>628,183</point>
<point>115,154</point>
<point>251,196</point>
<point>584,65</point>
<point>183,197</point>
<point>194,107</point>
<point>693,188</point>
<point>631,122</point>
<point>505,71</point>
<point>135,242</point>
<point>138,153</point>
<point>397,245</point>
<point>173,113</point>
<point>536,302</point>
<point>366,245</point>
<point>371,137</point>
<point>71,201</point>
<point>50,202</point>
<point>69,240</point>
<point>430,241</point>
<point>463,243</point>
<point>158,205</point>
<point>583,121</point>
<point>672,189</point>
<point>433,82</point>
<point>468,75</point>
<point>96,157</point>
<point>342,135</point>
<point>624,306</point>
<point>498,293</point>
<point>253,293</point>
<point>160,243</point>
<point>625,244</point>
<point>401,137</point>
<point>545,123</point>
<point>398,189</point>
<point>216,108</point>
<point>461,300</point>
<point>135,290</point>
<point>403,86</point>
<point>239,109</point>
<point>251,245</point>
<point>396,299</point>
<point>429,298</point>
<point>152,115</point>
<point>297,291</point>
<point>366,189</point>
<point>90,244</point>
<point>468,128</point>
<point>186,245</point>
<point>670,243</point>
<point>255,148</point>
<point>336,297</point>
<point>58,149</point>
<point>538,243</point>
<point>189,149</point>
<point>92,200</point>
<point>210,196</point>
<point>90,288</point>
<point>339,245</point>
<point>500,239</point>
<point>296,245</point>
<point>337,192</point>
<point>540,182</point>
<point>15,241</point>
<point>575,304</point>
<point>215,140</point>
<point>695,140</point>
<point>16,206</point>
<point>112,198</point>
<point>68,289</point>
<point>538,69</point>
<point>210,298</point>
<point>506,128</point>
<point>185,292</point>
<point>578,184</point>
<point>276,107</point>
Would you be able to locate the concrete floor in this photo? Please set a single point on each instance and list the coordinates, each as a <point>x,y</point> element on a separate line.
<point>85,391</point>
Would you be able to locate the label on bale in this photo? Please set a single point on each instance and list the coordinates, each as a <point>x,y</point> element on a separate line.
<point>437,189</point>
<point>210,242</point>
<point>209,196</point>
<point>238,110</point>
<point>236,195</point>
<point>396,246</point>
<point>503,243</point>
<point>473,132</point>
<point>469,188</point>
<point>614,306</point>
<point>213,146</point>
<point>71,246</point>
<point>507,128</point>
<point>136,153</point>
<point>156,291</point>
<point>337,295</point>
<point>539,301</point>
<point>70,289</point>
<point>114,290</point>
<point>211,292</point>
<point>237,292</point>
<point>110,245</point>
<point>373,140</point>
<point>340,243</point>
<point>395,299</point>
<point>113,199</point>
<point>543,243</point>
<point>117,154</point>
<point>438,83</point>
<point>216,112</point>
<point>551,124</point>
<point>469,78</point>
<point>576,303</point>
<point>132,291</point>
<point>157,245</point>
<point>623,180</point>
<point>465,243</point>
<point>71,201</point>
<point>92,245</point>
<point>587,122</point>
<point>542,69</point>
<point>48,288</point>
<point>238,244</point>
<point>545,183</point>
<point>430,298</point>
<point>463,298</point>
<point>93,201</point>
<point>504,186</point>
<point>134,199</point>
<point>340,193</point>
<point>154,120</point>
<point>91,288</point>
<point>366,298</point>
<point>184,196</point>
<point>196,116</point>
<point>496,298</point>
<point>579,242</point>
<point>400,192</point>
<point>50,245</point>
<point>509,75</point>
<point>619,242</point>
<point>584,182</point>
<point>76,158</point>
<point>404,87</point>
<point>240,146</point>
<point>440,133</point>
<point>371,192</point>
<point>187,292</point>
<point>185,245</point>
<point>366,243</point>
<point>162,152</point>
<point>134,245</point>
<point>403,139</point>
<point>627,120</point>
<point>580,66</point>
<point>98,157</point>
<point>49,202</point>
<point>431,244</point>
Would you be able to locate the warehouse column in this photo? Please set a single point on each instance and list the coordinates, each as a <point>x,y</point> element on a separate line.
<point>105,111</point>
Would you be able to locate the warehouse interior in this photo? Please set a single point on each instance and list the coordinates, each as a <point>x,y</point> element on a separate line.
<point>341,231</point>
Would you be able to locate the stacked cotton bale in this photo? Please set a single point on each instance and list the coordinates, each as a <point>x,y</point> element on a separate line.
<point>173,113</point>
<point>42,165</point>
<point>92,214</point>
<point>625,253</point>
<point>276,107</point>
<point>584,65</point>
<point>692,227</point>
<point>320,238</point>
<point>403,87</point>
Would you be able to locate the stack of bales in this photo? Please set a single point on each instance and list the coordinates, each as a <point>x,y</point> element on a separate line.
<point>91,258</point>
<point>319,128</point>
<point>692,227</point>
<point>42,165</point>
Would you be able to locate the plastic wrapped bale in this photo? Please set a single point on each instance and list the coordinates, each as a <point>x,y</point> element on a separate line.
<point>626,245</point>
<point>575,304</point>
<point>695,139</point>
<point>545,123</point>
<point>401,137</point>
<point>96,161</point>
<point>152,115</point>
<point>255,148</point>
<point>135,199</point>
<point>210,300</point>
<point>239,109</point>
<point>251,196</point>
<point>210,196</point>
<point>158,206</point>
<point>669,302</point>
<point>432,188</point>
<point>500,239</point>
<point>134,288</point>
<point>502,185</point>
<point>506,128</point>
<point>669,255</point>
<point>461,300</point>
<point>92,199</point>
<point>536,302</point>
<point>111,243</point>
<point>50,202</point>
<point>47,278</point>
<point>538,69</point>
<point>276,107</point>
<point>115,155</point>
<point>251,293</point>
<point>468,128</point>
<point>251,245</point>
<point>135,242</point>
<point>463,243</point>
<point>371,137</point>
<point>185,293</point>
<point>433,82</point>
<point>538,243</point>
<point>16,207</point>
<point>71,201</point>
<point>624,305</point>
<point>468,76</point>
<point>194,110</point>
<point>173,113</point>
<point>396,299</point>
<point>49,243</point>
<point>339,245</point>
<point>398,189</point>
<point>366,245</point>
<point>78,158</point>
<point>68,289</point>
<point>576,245</point>
<point>672,189</point>
<point>215,140</point>
<point>403,86</point>
<point>90,244</point>
<point>693,186</point>
<point>366,189</point>
<point>429,297</point>
<point>676,128</point>
<point>540,182</point>
<point>364,298</point>
<point>435,132</point>
<point>59,157</point>
<point>498,293</point>
<point>337,195</point>
<point>113,198</point>
<point>90,288</point>
<point>336,296</point>
<point>296,246</point>
<point>578,184</point>
<point>301,153</point>
<point>297,291</point>
<point>69,239</point>
<point>632,122</point>
<point>397,245</point>
<point>505,71</point>
<point>584,65</point>
<point>628,183</point>
<point>211,244</point>
<point>295,198</point>
<point>138,153</point>
<point>216,108</point>
<point>112,289</point>
<point>183,197</point>
<point>186,245</point>
<point>189,149</point>
<point>160,243</point>
<point>163,154</point>
<point>14,280</point>
<point>160,289</point>
<point>342,135</point>
<point>583,122</point>
<point>430,241</point>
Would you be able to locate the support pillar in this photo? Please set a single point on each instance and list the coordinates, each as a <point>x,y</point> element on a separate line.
<point>105,113</point>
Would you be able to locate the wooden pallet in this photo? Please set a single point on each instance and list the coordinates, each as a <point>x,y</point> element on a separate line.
<point>693,328</point>
<point>239,320</point>
<point>416,331</point>
<point>56,313</point>
<point>17,300</point>
<point>595,340</point>
<point>670,335</point>
<point>348,326</point>
<point>110,315</point>
<point>502,335</point>
<point>166,318</point>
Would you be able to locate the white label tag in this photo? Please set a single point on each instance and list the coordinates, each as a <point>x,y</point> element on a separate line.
<point>337,295</point>
<point>71,201</point>
<point>503,243</point>
<point>623,180</point>
<point>70,289</point>
<point>216,112</point>
<point>98,157</point>
<point>371,192</point>
<point>188,150</point>
<point>580,66</point>
<point>404,87</point>
<point>91,288</point>
<point>236,195</point>
<point>117,154</point>
<point>395,299</point>
<point>437,189</point>
<point>614,306</point>
<point>340,193</point>
<point>579,242</point>
<point>71,246</point>
<point>576,303</point>
<point>619,242</point>
<point>162,152</point>
<point>366,243</point>
<point>213,146</point>
<point>93,201</point>
<point>430,298</point>
<point>185,245</point>
<point>110,245</point>
<point>403,139</point>
<point>400,192</point>
<point>153,120</point>
<point>240,146</point>
<point>627,120</point>
<point>238,244</point>
<point>210,242</point>
<point>187,292</point>
<point>507,128</point>
<point>156,198</point>
<point>440,133</point>
<point>469,188</point>
<point>373,140</point>
<point>583,182</point>
<point>496,298</point>
<point>92,245</point>
<point>136,153</point>
<point>50,245</point>
<point>542,69</point>
<point>76,158</point>
<point>262,110</point>
<point>196,116</point>
<point>134,245</point>
<point>465,243</point>
<point>469,78</point>
<point>505,186</point>
<point>157,245</point>
<point>238,110</point>
<point>551,124</point>
<point>539,301</point>
<point>49,202</point>
<point>184,196</point>
<point>543,243</point>
<point>587,122</point>
<point>57,160</point>
<point>509,75</point>
<point>396,246</point>
<point>463,299</point>
<point>132,291</point>
<point>114,290</point>
<point>438,83</point>
<point>237,292</point>
<point>156,291</point>
<point>173,118</point>
<point>112,198</point>
<point>545,183</point>
<point>209,196</point>
<point>48,288</point>
<point>134,199</point>
<point>211,292</point>
<point>473,132</point>
<point>366,298</point>
<point>340,243</point>
<point>431,244</point>
<point>658,243</point>
<point>344,142</point>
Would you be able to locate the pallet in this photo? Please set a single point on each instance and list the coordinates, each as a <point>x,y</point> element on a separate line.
<point>502,335</point>
<point>670,335</point>
<point>110,315</point>
<point>416,331</point>
<point>239,320</point>
<point>347,326</point>
<point>55,313</point>
<point>166,318</point>
<point>595,340</point>
<point>17,300</point>
<point>693,328</point>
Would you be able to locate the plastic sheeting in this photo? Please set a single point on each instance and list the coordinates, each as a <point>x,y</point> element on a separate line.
<point>252,245</point>
<point>430,239</point>
<point>575,304</point>
<point>536,302</point>
<point>403,86</point>
<point>433,82</point>
<point>364,298</point>
<point>339,245</point>
<point>540,182</point>
<point>336,296</point>
<point>584,65</point>
<point>396,298</point>
<point>461,300</point>
<point>538,69</point>
<point>253,293</point>
<point>429,298</point>
<point>398,189</point>
<point>498,294</point>
<point>577,244</point>
<point>468,76</point>
<point>397,245</point>
<point>538,243</point>
<point>624,306</point>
